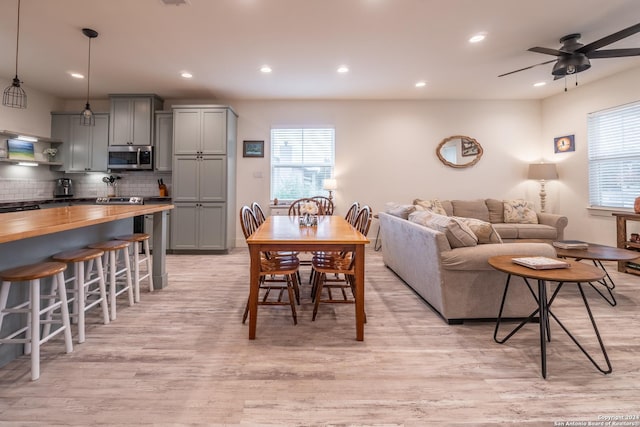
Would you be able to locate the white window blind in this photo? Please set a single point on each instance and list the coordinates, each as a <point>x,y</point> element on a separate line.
<point>614,156</point>
<point>300,160</point>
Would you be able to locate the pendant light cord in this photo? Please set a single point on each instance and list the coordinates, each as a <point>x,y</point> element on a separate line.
<point>89,71</point>
<point>17,38</point>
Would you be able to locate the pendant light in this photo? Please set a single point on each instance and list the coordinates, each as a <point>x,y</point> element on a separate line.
<point>14,96</point>
<point>88,118</point>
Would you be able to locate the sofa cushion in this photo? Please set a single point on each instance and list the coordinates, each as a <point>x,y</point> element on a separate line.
<point>537,231</point>
<point>401,211</point>
<point>471,209</point>
<point>475,259</point>
<point>433,205</point>
<point>519,212</point>
<point>507,231</point>
<point>458,233</point>
<point>483,230</point>
<point>496,210</point>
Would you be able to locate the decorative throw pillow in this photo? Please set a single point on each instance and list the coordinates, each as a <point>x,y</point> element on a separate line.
<point>483,230</point>
<point>431,205</point>
<point>496,210</point>
<point>520,212</point>
<point>458,233</point>
<point>399,210</point>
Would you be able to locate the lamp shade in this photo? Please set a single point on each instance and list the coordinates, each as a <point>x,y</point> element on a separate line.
<point>542,171</point>
<point>329,184</point>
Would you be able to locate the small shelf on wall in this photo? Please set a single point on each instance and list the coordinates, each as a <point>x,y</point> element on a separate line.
<point>36,162</point>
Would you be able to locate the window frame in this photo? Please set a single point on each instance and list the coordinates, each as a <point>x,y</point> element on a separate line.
<point>305,166</point>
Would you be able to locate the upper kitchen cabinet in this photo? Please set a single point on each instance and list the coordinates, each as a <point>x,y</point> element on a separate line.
<point>85,147</point>
<point>163,145</point>
<point>132,119</point>
<point>201,130</point>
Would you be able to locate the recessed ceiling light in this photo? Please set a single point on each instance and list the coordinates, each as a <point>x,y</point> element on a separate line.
<point>186,75</point>
<point>477,38</point>
<point>421,83</point>
<point>265,69</point>
<point>539,84</point>
<point>343,69</point>
<point>77,75</point>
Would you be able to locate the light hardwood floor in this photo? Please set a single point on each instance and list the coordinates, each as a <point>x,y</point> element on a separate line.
<point>182,356</point>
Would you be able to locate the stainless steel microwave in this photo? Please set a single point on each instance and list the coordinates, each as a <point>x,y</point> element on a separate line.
<point>133,157</point>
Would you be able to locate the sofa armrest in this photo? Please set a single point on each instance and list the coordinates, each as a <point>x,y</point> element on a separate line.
<point>558,221</point>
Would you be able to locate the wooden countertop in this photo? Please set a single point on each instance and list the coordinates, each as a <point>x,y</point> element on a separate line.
<point>21,225</point>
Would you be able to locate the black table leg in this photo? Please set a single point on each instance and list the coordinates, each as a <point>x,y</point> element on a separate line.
<point>607,282</point>
<point>544,325</point>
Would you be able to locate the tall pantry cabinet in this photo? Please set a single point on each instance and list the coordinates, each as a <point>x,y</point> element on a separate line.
<point>204,178</point>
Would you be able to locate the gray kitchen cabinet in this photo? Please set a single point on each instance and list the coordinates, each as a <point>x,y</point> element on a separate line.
<point>203,180</point>
<point>199,178</point>
<point>132,119</point>
<point>199,226</point>
<point>163,141</point>
<point>201,130</point>
<point>85,147</point>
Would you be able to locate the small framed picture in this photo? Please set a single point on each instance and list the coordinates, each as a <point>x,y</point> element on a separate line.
<point>469,148</point>
<point>252,148</point>
<point>564,144</point>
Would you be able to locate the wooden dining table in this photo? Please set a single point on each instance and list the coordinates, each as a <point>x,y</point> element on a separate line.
<point>284,233</point>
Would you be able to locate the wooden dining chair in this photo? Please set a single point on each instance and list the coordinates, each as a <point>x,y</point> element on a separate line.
<point>328,266</point>
<point>352,213</point>
<point>277,272</point>
<point>295,208</point>
<point>325,202</point>
<point>258,212</point>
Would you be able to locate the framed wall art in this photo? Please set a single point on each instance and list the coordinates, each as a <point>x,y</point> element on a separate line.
<point>20,150</point>
<point>252,148</point>
<point>564,144</point>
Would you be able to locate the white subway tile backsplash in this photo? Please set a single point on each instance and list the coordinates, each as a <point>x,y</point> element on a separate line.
<point>144,184</point>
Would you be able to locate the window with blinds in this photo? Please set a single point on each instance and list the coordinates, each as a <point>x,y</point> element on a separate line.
<point>614,156</point>
<point>300,160</point>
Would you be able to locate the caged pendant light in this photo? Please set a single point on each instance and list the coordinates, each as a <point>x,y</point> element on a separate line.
<point>88,118</point>
<point>14,96</point>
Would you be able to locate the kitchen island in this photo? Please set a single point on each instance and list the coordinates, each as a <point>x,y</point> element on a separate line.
<point>33,236</point>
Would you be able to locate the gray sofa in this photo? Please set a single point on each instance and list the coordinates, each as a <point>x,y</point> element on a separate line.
<point>458,283</point>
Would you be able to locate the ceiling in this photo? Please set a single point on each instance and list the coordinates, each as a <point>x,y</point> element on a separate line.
<point>388,46</point>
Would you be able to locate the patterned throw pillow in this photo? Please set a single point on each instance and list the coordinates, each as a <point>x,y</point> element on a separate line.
<point>519,212</point>
<point>483,230</point>
<point>431,205</point>
<point>458,233</point>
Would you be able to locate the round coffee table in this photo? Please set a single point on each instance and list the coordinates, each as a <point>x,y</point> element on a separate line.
<point>577,273</point>
<point>598,253</point>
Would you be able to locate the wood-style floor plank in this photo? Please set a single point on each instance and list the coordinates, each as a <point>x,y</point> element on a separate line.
<point>182,357</point>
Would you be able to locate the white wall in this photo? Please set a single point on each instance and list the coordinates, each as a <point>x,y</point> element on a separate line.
<point>385,150</point>
<point>19,182</point>
<point>565,114</point>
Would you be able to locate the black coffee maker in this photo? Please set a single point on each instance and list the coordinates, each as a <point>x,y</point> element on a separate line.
<point>63,188</point>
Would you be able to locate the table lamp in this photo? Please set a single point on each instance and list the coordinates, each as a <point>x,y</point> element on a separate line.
<point>330,184</point>
<point>542,172</point>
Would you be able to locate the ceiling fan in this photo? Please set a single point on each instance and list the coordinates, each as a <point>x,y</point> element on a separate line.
<point>573,57</point>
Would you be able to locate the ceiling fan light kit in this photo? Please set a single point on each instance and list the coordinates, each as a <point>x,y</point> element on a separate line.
<point>573,56</point>
<point>14,96</point>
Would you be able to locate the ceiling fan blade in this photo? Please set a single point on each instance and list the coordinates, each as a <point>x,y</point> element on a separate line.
<point>526,68</point>
<point>547,51</point>
<point>614,53</point>
<point>611,38</point>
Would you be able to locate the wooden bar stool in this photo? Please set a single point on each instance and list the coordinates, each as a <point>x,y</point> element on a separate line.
<point>137,239</point>
<point>116,253</point>
<point>85,294</point>
<point>32,274</point>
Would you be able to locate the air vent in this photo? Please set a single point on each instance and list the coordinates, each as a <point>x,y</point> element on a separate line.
<point>175,2</point>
